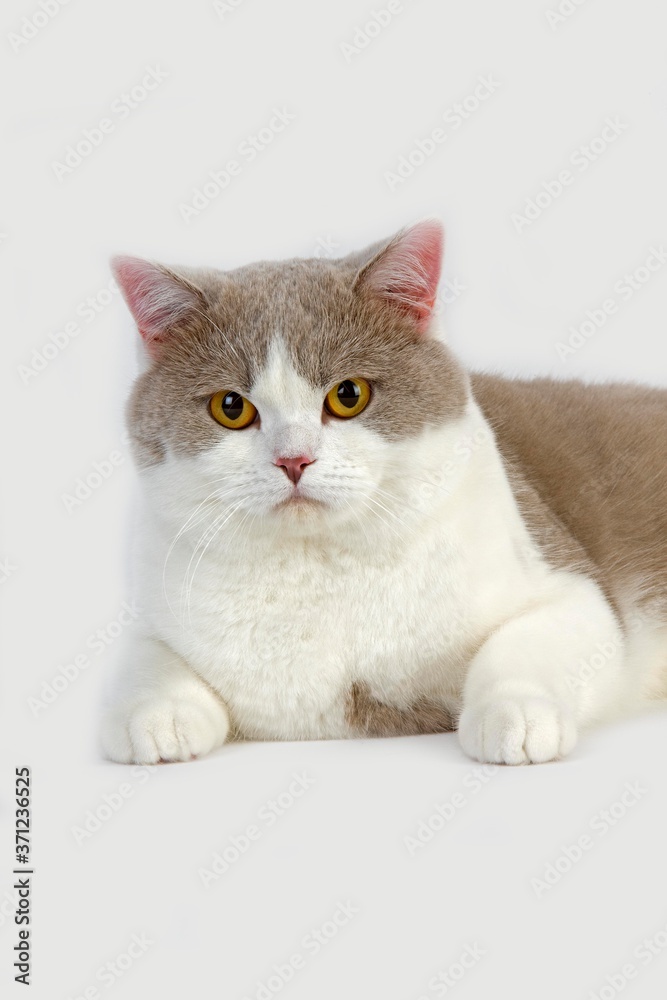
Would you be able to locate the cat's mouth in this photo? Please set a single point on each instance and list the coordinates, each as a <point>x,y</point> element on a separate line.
<point>299,502</point>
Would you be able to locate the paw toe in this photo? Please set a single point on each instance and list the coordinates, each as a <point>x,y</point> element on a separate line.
<point>150,732</point>
<point>522,731</point>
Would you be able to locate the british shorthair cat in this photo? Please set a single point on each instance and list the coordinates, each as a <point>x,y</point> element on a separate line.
<point>343,533</point>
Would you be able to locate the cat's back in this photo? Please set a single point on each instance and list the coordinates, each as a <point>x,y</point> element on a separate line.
<point>597,457</point>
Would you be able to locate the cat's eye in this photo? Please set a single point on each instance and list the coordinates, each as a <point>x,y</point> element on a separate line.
<point>232,410</point>
<point>348,398</point>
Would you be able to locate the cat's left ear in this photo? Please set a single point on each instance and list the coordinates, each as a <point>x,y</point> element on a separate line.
<point>405,272</point>
<point>159,299</point>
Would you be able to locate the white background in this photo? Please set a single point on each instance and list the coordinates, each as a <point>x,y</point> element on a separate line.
<point>322,180</point>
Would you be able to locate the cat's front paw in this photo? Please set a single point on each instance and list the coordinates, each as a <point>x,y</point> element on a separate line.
<point>520,731</point>
<point>164,729</point>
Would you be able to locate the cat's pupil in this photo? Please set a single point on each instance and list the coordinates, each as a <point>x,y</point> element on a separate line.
<point>348,393</point>
<point>232,405</point>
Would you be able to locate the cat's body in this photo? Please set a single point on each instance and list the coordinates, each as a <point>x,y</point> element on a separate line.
<point>482,553</point>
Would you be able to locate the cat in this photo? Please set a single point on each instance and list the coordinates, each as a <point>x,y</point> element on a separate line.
<point>343,533</point>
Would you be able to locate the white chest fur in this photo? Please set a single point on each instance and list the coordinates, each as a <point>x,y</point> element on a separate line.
<point>282,626</point>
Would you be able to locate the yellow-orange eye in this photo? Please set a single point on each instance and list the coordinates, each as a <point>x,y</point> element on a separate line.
<point>348,398</point>
<point>232,410</point>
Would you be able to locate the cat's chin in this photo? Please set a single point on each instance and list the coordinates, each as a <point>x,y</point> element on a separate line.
<point>304,513</point>
<point>301,506</point>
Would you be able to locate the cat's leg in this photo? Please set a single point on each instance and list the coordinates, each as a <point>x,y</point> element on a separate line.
<point>160,709</point>
<point>528,691</point>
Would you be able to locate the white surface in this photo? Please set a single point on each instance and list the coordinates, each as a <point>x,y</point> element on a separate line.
<point>321,180</point>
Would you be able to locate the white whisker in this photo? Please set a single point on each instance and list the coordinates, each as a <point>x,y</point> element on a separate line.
<point>211,531</point>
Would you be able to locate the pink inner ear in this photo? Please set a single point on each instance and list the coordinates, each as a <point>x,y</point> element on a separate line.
<point>407,272</point>
<point>156,298</point>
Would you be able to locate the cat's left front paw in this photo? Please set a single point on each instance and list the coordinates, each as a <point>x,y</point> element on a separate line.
<point>517,731</point>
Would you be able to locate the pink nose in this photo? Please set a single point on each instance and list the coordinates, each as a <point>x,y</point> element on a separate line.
<point>294,467</point>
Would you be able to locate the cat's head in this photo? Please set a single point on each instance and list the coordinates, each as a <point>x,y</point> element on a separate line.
<point>303,390</point>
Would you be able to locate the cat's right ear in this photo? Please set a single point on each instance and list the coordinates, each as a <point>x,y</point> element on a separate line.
<point>158,298</point>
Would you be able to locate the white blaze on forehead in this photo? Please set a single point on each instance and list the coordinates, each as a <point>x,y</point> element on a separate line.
<point>290,409</point>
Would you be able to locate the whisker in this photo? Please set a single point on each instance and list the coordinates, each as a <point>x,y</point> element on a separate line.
<point>391,513</point>
<point>188,523</point>
<point>397,499</point>
<point>218,330</point>
<point>211,531</point>
<point>374,511</point>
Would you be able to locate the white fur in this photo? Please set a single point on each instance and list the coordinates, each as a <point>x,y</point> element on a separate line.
<point>414,574</point>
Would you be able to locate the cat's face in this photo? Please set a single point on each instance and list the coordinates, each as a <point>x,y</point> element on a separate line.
<point>302,391</point>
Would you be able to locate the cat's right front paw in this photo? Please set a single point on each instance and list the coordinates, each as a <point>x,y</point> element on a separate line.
<point>163,729</point>
<point>517,731</point>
